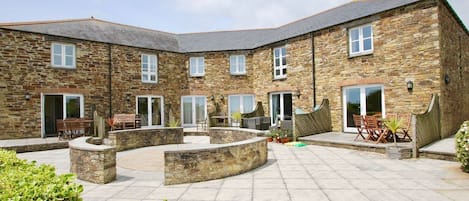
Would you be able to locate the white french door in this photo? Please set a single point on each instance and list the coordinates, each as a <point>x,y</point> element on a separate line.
<point>242,103</point>
<point>59,106</point>
<point>361,100</point>
<point>151,110</point>
<point>280,107</point>
<point>193,109</point>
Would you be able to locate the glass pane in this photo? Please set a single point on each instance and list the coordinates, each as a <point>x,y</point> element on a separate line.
<point>72,106</point>
<point>284,61</point>
<point>57,60</point>
<point>354,34</point>
<point>277,62</point>
<point>201,61</point>
<point>277,72</point>
<point>144,77</point>
<point>353,104</point>
<point>275,107</point>
<point>373,100</point>
<point>287,107</point>
<point>276,53</point>
<point>235,104</point>
<point>144,67</point>
<point>57,49</point>
<point>156,111</point>
<point>242,67</point>
<point>284,51</point>
<point>68,61</point>
<point>153,60</point>
<point>200,69</point>
<point>233,64</point>
<point>187,110</point>
<point>200,108</point>
<point>367,44</point>
<point>367,32</point>
<point>143,110</point>
<point>145,59</point>
<point>69,50</point>
<point>153,68</point>
<point>248,104</point>
<point>152,77</point>
<point>284,71</point>
<point>193,70</point>
<point>355,46</point>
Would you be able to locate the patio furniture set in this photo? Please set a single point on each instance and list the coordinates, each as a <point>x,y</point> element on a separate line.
<point>371,128</point>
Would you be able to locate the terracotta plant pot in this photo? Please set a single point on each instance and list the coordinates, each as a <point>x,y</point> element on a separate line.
<point>284,140</point>
<point>269,139</point>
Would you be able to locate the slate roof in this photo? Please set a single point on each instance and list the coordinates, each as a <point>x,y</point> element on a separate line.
<point>108,32</point>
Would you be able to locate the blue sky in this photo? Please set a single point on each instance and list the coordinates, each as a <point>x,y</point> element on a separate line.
<point>181,16</point>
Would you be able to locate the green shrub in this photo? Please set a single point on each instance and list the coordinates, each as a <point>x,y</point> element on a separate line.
<point>462,146</point>
<point>23,180</point>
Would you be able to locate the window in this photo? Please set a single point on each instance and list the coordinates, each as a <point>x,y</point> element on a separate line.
<point>193,109</point>
<point>280,63</point>
<point>281,107</point>
<point>361,100</point>
<point>151,110</point>
<point>197,66</point>
<point>63,55</point>
<point>361,40</point>
<point>149,68</point>
<point>237,64</point>
<point>240,103</point>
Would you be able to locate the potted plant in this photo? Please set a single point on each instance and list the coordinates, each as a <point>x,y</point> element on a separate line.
<point>112,123</point>
<point>173,123</point>
<point>269,136</point>
<point>236,116</point>
<point>396,152</point>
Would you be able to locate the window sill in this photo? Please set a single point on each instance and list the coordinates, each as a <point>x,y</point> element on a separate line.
<point>197,76</point>
<point>65,67</point>
<point>279,78</point>
<point>150,82</point>
<point>238,74</point>
<point>360,54</point>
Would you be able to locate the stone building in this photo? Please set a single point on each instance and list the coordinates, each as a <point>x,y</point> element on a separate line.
<point>361,56</point>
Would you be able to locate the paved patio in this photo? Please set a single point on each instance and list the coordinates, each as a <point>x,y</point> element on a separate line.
<point>292,173</point>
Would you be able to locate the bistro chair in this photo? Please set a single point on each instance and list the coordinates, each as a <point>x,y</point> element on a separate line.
<point>359,124</point>
<point>372,128</point>
<point>405,130</point>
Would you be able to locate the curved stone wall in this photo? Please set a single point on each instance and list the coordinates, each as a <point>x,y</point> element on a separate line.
<point>244,152</point>
<point>144,137</point>
<point>92,162</point>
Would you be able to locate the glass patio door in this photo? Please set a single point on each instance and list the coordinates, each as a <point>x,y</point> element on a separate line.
<point>240,103</point>
<point>60,106</point>
<point>280,107</point>
<point>150,109</point>
<point>361,100</point>
<point>193,109</point>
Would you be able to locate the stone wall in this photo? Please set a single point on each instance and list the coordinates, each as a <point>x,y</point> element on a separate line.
<point>230,135</point>
<point>406,46</point>
<point>454,58</point>
<point>93,163</point>
<point>144,137</point>
<point>194,165</point>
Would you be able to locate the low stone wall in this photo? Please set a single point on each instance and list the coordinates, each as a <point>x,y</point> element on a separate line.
<point>144,137</point>
<point>202,164</point>
<point>220,135</point>
<point>91,162</point>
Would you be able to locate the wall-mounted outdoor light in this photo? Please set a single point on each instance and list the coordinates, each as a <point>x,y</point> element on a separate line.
<point>212,97</point>
<point>447,79</point>
<point>410,85</point>
<point>127,97</point>
<point>222,97</point>
<point>27,96</point>
<point>297,93</point>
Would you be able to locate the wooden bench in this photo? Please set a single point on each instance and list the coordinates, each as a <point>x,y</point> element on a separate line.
<point>72,127</point>
<point>126,121</point>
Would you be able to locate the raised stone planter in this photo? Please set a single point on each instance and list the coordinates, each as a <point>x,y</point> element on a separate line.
<point>244,152</point>
<point>144,137</point>
<point>398,152</point>
<point>91,161</point>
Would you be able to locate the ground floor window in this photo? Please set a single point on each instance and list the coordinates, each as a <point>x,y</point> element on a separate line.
<point>280,106</point>
<point>151,110</point>
<point>240,103</point>
<point>361,100</point>
<point>60,106</point>
<point>193,110</point>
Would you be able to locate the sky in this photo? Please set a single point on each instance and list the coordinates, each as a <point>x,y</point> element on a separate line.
<point>181,16</point>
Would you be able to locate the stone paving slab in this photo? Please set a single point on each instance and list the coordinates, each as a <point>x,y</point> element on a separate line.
<point>291,173</point>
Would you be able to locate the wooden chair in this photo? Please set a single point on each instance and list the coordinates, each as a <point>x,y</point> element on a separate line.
<point>359,124</point>
<point>405,130</point>
<point>372,128</point>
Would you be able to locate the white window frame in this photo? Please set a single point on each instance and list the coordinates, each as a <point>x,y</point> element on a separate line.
<point>194,63</point>
<point>281,104</point>
<point>63,55</point>
<point>241,103</point>
<point>279,66</point>
<point>362,104</point>
<point>360,40</point>
<point>148,72</point>
<point>193,108</point>
<point>237,64</point>
<point>64,107</point>
<point>150,111</point>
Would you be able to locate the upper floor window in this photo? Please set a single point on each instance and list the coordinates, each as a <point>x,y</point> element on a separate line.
<point>63,55</point>
<point>237,64</point>
<point>149,68</point>
<point>197,66</point>
<point>361,40</point>
<point>280,63</point>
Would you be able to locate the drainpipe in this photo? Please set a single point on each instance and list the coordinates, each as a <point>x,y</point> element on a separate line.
<point>314,69</point>
<point>110,80</point>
